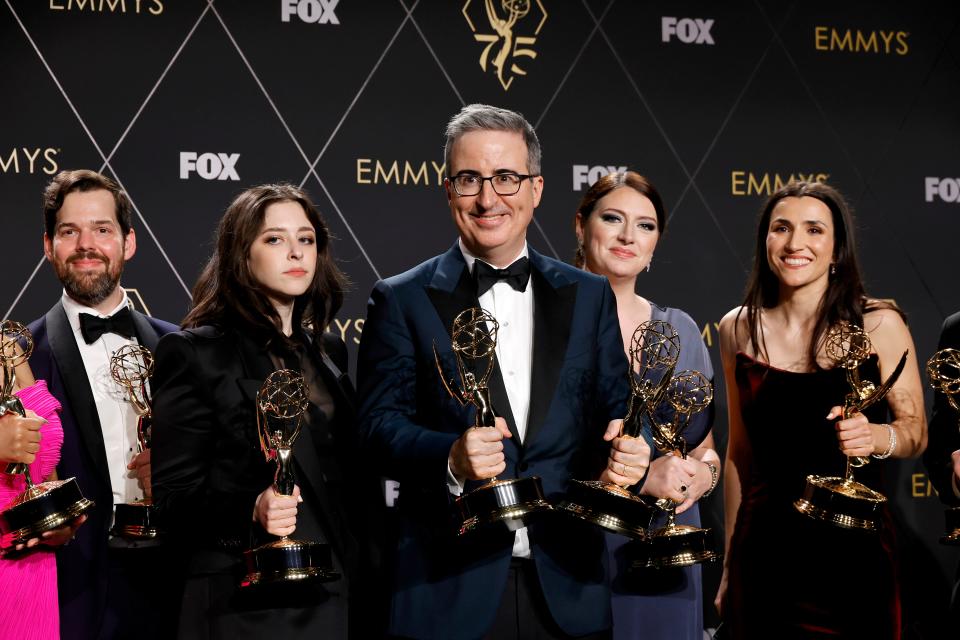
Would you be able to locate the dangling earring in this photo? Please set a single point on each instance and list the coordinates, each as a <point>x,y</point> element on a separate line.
<point>833,268</point>
<point>649,262</point>
<point>580,258</point>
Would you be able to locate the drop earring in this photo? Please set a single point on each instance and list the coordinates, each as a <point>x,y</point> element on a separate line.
<point>833,268</point>
<point>649,262</point>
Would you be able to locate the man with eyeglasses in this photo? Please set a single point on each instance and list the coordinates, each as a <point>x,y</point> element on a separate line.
<point>558,387</point>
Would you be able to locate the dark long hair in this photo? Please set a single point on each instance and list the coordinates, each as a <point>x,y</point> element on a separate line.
<point>227,292</point>
<point>845,298</point>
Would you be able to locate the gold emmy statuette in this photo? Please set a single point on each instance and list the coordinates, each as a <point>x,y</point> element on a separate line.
<point>654,351</point>
<point>509,502</point>
<point>281,403</point>
<point>676,545</point>
<point>131,366</point>
<point>845,502</point>
<point>46,505</point>
<point>943,371</point>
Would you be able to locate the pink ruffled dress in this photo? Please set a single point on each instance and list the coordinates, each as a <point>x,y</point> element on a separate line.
<point>28,584</point>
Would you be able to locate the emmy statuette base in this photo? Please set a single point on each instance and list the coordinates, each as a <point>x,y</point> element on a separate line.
<point>841,502</point>
<point>43,507</point>
<point>952,537</point>
<point>609,506</point>
<point>135,521</point>
<point>506,503</point>
<point>286,561</point>
<point>674,545</point>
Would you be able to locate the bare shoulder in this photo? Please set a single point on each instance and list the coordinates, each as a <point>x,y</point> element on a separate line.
<point>883,321</point>
<point>734,331</point>
<point>734,322</point>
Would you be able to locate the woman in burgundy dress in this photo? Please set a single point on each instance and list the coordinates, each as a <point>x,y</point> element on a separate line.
<point>786,575</point>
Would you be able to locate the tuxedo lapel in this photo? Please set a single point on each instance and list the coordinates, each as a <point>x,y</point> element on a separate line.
<point>146,334</point>
<point>76,384</point>
<point>255,363</point>
<point>452,291</point>
<point>315,470</point>
<point>501,403</point>
<point>553,304</point>
<point>338,382</point>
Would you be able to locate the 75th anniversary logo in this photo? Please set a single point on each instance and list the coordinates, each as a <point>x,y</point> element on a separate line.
<point>513,29</point>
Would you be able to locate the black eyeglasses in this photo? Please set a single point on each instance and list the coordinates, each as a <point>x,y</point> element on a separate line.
<point>504,184</point>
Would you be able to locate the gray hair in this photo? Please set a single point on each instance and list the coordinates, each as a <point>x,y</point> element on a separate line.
<point>483,117</point>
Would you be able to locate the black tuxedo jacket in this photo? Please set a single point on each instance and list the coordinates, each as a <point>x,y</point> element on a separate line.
<point>82,571</point>
<point>447,587</point>
<point>207,464</point>
<point>944,430</point>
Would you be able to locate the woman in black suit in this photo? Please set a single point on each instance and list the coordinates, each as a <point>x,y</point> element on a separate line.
<point>271,279</point>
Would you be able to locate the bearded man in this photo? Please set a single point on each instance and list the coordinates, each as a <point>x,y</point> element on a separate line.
<point>108,587</point>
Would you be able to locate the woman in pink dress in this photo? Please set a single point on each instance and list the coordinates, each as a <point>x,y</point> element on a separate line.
<point>28,577</point>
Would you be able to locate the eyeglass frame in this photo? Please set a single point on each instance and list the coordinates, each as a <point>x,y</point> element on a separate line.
<point>522,176</point>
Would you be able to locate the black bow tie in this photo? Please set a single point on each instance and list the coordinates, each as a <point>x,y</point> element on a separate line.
<point>516,275</point>
<point>120,323</point>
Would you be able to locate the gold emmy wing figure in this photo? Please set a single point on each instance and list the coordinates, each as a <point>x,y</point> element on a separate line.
<point>943,372</point>
<point>504,44</point>
<point>515,9</point>
<point>654,352</point>
<point>46,505</point>
<point>508,503</point>
<point>131,367</point>
<point>674,545</point>
<point>281,403</point>
<point>845,502</point>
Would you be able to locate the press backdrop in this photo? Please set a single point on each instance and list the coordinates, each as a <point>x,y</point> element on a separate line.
<point>186,102</point>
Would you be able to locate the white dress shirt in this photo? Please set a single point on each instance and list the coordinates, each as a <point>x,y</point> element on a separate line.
<point>514,312</point>
<point>118,420</point>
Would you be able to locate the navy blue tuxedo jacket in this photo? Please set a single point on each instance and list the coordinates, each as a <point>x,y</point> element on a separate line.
<point>82,565</point>
<point>450,587</point>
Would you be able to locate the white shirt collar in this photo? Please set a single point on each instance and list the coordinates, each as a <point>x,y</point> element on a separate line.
<point>74,309</point>
<point>470,258</point>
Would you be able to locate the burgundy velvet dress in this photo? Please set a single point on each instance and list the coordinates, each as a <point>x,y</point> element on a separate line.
<point>791,576</point>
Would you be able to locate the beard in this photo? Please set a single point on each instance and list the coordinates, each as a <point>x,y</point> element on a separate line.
<point>89,288</point>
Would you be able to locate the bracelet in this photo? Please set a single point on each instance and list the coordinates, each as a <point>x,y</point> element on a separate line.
<point>891,444</point>
<point>714,477</point>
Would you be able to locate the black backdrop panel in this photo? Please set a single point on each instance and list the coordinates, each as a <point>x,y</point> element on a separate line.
<point>187,102</point>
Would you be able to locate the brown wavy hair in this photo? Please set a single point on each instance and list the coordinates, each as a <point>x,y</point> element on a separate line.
<point>609,183</point>
<point>845,299</point>
<point>70,180</point>
<point>226,293</point>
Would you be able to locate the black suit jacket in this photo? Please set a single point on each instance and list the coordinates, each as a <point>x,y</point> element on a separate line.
<point>944,430</point>
<point>207,464</point>
<point>82,565</point>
